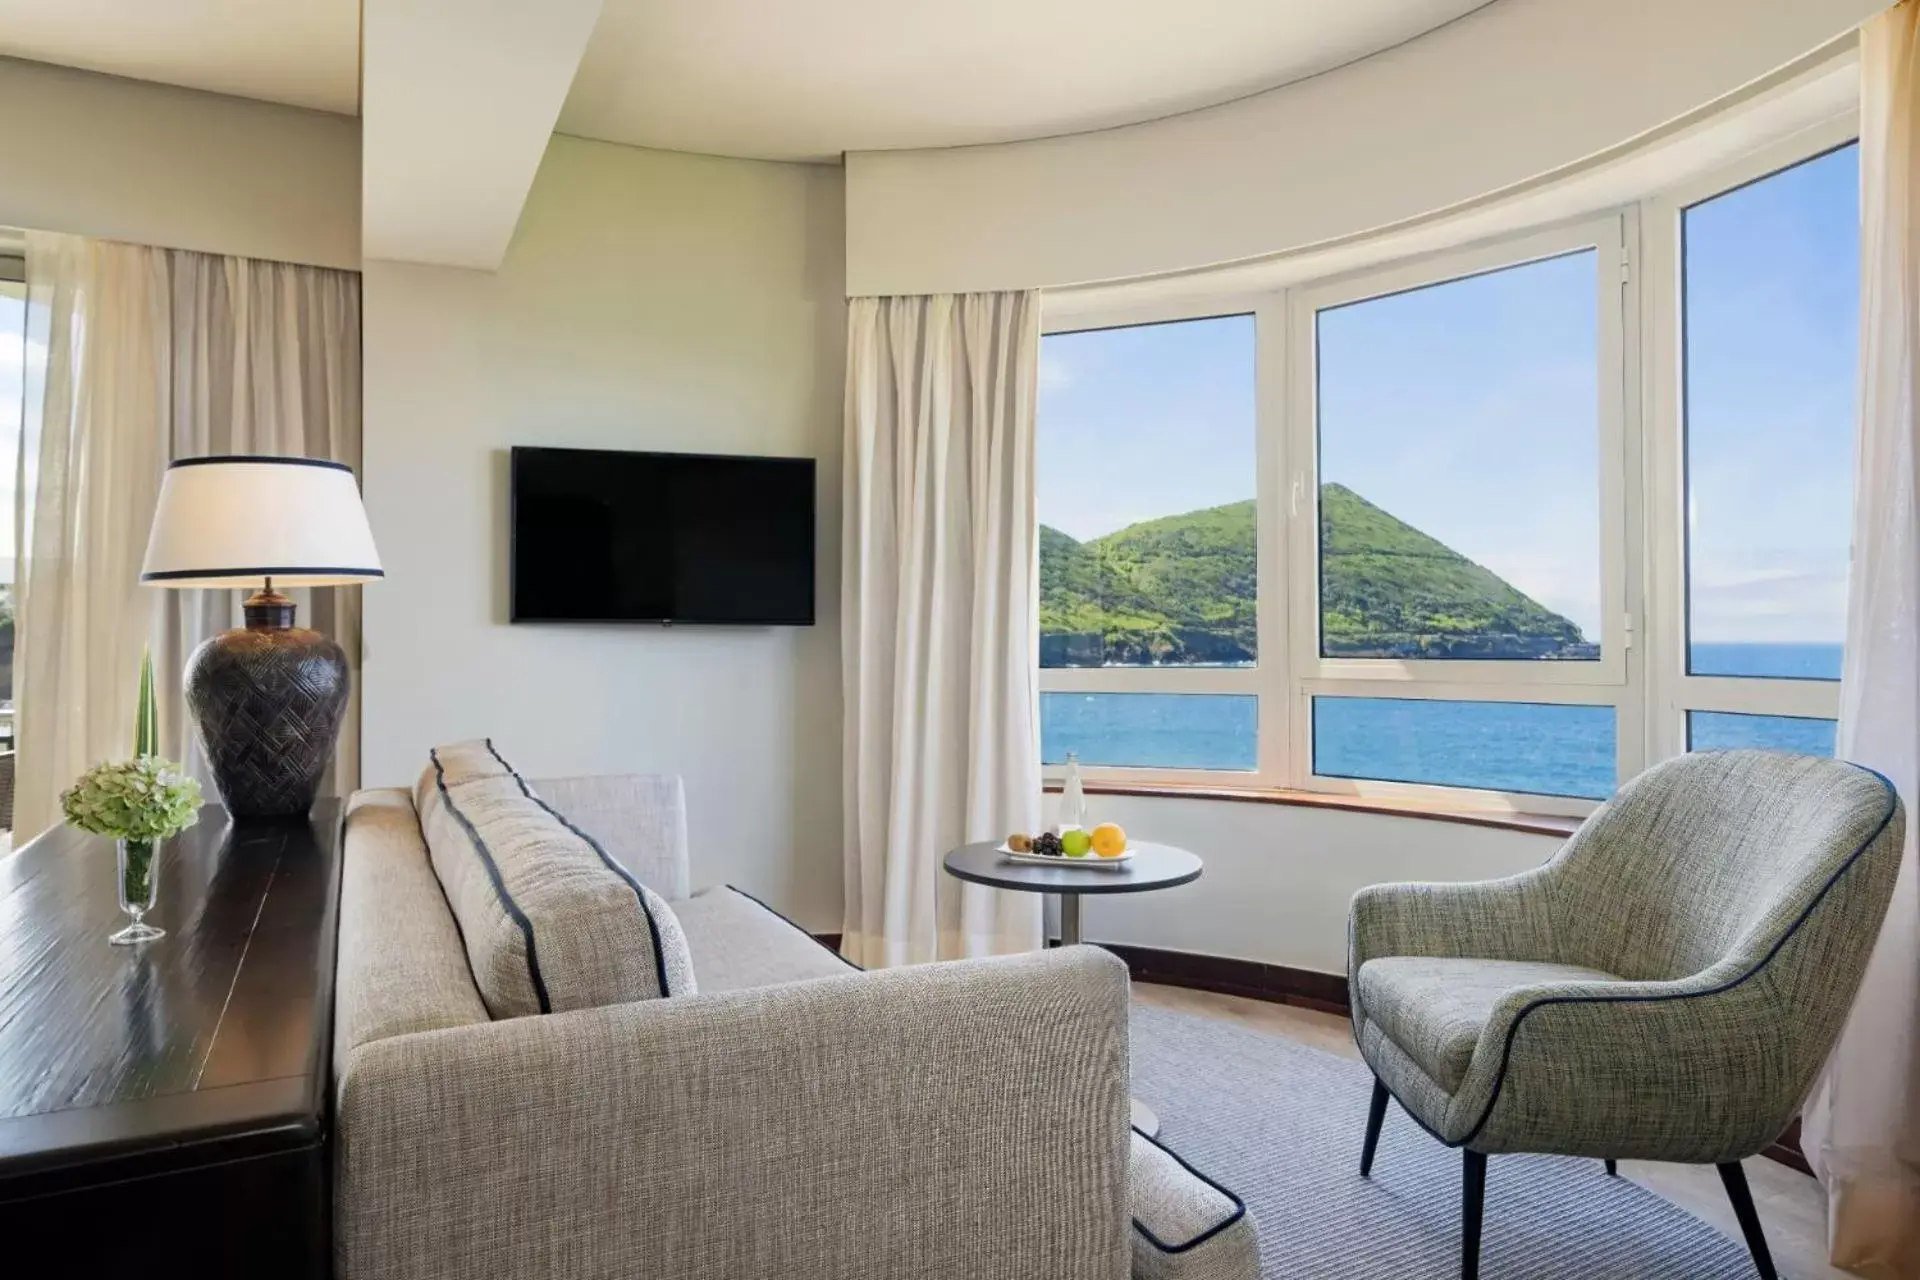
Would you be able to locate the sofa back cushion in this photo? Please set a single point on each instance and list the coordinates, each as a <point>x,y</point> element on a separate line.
<point>549,921</point>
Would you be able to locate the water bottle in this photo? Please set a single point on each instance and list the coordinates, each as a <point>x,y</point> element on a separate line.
<point>1073,799</point>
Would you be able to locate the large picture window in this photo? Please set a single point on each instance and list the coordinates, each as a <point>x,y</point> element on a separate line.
<point>1149,544</point>
<point>1496,527</point>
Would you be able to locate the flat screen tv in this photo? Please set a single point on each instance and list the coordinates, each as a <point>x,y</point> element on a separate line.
<point>605,536</point>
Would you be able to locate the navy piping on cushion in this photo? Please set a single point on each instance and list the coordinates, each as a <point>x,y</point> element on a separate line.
<point>1239,1205</point>
<point>653,926</point>
<point>507,903</point>
<point>1506,1052</point>
<point>797,929</point>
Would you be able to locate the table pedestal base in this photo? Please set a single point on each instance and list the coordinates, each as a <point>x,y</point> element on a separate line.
<point>1144,1120</point>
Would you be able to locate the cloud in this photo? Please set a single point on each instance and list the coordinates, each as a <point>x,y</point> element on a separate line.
<point>1055,375</point>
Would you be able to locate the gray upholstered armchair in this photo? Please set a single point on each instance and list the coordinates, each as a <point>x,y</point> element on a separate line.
<point>1666,988</point>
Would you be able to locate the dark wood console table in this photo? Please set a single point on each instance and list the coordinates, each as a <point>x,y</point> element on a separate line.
<point>166,1104</point>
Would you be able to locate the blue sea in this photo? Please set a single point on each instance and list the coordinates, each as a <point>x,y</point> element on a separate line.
<point>1502,746</point>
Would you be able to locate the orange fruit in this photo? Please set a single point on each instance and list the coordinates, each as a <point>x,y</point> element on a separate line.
<point>1109,841</point>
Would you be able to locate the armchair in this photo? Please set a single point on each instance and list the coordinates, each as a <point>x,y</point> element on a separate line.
<point>1666,988</point>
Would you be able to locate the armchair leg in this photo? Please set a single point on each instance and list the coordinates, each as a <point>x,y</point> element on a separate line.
<point>1376,1112</point>
<point>1735,1178</point>
<point>1613,1169</point>
<point>1473,1196</point>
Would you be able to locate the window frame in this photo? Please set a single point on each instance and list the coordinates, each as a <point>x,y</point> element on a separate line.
<point>1640,452</point>
<point>1672,690</point>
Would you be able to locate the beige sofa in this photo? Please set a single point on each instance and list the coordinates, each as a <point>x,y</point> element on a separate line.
<point>797,1117</point>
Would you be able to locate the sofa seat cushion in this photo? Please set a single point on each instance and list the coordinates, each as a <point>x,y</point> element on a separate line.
<point>549,921</point>
<point>1434,1008</point>
<point>1185,1225</point>
<point>738,942</point>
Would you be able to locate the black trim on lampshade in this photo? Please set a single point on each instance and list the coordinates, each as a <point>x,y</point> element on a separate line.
<point>260,457</point>
<point>263,571</point>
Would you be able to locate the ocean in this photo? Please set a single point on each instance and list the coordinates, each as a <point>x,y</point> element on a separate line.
<point>1540,748</point>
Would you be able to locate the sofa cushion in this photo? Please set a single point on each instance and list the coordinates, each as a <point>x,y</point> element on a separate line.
<point>548,920</point>
<point>739,942</point>
<point>1434,1008</point>
<point>1185,1225</point>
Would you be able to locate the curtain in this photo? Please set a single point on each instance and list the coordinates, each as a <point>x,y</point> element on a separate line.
<point>940,600</point>
<point>264,357</point>
<point>153,354</point>
<point>1861,1130</point>
<point>96,437</point>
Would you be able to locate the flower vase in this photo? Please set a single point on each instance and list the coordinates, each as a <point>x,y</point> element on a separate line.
<point>139,875</point>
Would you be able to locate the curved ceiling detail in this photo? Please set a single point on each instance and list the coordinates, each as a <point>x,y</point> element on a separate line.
<point>808,81</point>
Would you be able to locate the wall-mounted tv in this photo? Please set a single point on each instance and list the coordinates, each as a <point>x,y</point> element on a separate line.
<point>606,536</point>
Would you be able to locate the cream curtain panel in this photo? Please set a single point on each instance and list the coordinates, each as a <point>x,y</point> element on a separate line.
<point>1862,1128</point>
<point>93,448</point>
<point>264,357</point>
<point>940,598</point>
<point>153,354</point>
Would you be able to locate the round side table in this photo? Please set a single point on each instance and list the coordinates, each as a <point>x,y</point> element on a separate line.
<point>1152,866</point>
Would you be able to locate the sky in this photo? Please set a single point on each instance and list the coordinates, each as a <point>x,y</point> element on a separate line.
<point>13,353</point>
<point>1469,410</point>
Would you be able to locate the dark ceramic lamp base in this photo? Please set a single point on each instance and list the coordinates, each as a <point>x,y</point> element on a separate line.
<point>268,700</point>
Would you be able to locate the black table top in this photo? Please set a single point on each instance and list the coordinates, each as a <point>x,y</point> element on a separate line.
<point>1152,866</point>
<point>218,1031</point>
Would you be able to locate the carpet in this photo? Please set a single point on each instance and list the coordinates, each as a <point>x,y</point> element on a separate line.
<point>1281,1124</point>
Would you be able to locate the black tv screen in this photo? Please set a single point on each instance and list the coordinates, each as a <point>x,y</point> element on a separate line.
<point>605,536</point>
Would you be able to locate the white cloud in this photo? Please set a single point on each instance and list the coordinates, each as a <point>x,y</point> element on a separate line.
<point>1055,375</point>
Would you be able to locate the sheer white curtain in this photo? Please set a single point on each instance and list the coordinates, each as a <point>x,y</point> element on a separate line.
<point>264,357</point>
<point>1862,1128</point>
<point>153,354</point>
<point>939,603</point>
<point>95,443</point>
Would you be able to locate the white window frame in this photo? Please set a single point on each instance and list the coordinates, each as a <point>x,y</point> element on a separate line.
<point>1641,671</point>
<point>1672,691</point>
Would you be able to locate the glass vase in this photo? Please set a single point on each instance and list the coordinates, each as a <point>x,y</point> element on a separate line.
<point>139,862</point>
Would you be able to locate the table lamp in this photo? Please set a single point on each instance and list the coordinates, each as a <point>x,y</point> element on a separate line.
<point>267,698</point>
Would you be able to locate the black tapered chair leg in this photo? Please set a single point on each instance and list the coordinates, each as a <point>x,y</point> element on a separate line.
<point>1473,1199</point>
<point>1376,1112</point>
<point>1613,1169</point>
<point>1736,1179</point>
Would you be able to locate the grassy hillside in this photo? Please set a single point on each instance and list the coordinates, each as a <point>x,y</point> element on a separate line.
<point>1181,590</point>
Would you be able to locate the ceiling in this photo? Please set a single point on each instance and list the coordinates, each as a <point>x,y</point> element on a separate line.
<point>302,52</point>
<point>779,79</point>
<point>809,79</point>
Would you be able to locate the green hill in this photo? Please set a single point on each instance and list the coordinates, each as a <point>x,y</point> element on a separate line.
<point>1180,590</point>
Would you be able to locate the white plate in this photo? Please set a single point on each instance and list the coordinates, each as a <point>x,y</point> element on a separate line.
<point>1042,860</point>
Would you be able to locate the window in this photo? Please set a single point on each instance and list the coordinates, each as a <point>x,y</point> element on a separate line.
<point>1497,526</point>
<point>1149,544</point>
<point>13,362</point>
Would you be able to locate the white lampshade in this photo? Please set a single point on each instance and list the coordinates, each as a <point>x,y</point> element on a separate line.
<point>226,521</point>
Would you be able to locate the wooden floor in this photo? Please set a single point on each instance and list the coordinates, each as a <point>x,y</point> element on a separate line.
<point>1792,1207</point>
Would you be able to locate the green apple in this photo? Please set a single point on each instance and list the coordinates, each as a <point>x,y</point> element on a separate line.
<point>1075,843</point>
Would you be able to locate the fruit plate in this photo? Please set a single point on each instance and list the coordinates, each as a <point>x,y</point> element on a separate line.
<point>1090,860</point>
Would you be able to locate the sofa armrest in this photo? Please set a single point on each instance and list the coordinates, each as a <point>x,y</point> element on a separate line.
<point>640,819</point>
<point>962,1121</point>
<point>1506,919</point>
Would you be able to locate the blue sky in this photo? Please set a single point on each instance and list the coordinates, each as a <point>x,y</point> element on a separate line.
<point>1469,411</point>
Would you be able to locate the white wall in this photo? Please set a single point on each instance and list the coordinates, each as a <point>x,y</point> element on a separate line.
<point>1513,91</point>
<point>1278,877</point>
<point>123,160</point>
<point>649,301</point>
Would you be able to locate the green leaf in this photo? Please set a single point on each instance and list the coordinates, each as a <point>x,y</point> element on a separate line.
<point>146,718</point>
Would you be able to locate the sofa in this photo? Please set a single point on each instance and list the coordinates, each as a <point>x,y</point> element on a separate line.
<point>553,1059</point>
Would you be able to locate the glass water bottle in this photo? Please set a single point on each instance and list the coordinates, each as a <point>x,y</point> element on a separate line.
<point>1073,799</point>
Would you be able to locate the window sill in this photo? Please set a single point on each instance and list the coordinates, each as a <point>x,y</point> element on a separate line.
<point>1540,824</point>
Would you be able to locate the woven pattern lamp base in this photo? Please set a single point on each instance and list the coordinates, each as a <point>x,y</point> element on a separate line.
<point>268,701</point>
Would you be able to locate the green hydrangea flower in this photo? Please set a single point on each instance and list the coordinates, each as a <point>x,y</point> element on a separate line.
<point>146,798</point>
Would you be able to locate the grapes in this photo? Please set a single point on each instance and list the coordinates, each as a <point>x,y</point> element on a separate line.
<point>1047,845</point>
